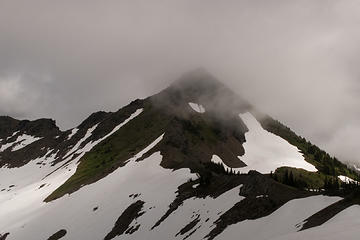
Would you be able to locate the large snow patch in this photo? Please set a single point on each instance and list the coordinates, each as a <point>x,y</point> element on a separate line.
<point>265,152</point>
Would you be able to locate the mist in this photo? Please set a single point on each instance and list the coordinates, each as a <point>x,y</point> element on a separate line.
<point>295,60</point>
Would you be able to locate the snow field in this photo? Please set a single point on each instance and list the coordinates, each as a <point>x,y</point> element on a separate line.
<point>287,219</point>
<point>21,142</point>
<point>197,107</point>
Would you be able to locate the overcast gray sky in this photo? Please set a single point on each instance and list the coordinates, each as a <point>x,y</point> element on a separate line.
<point>296,60</point>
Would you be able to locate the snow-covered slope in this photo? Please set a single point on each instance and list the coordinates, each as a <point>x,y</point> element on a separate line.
<point>24,189</point>
<point>344,225</point>
<point>73,132</point>
<point>287,219</point>
<point>265,152</point>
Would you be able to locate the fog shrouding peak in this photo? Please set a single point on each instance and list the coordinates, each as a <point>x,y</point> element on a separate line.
<point>295,60</point>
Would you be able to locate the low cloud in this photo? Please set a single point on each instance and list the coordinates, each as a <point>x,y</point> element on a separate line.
<point>296,60</point>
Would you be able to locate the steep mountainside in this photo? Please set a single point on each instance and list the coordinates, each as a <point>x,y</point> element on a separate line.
<point>195,161</point>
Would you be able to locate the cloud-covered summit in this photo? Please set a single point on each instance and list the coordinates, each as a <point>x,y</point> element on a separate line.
<point>296,60</point>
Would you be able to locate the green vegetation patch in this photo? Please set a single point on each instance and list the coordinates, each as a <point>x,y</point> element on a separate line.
<point>301,178</point>
<point>112,152</point>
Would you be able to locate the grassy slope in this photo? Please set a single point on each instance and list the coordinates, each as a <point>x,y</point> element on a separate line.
<point>111,153</point>
<point>313,180</point>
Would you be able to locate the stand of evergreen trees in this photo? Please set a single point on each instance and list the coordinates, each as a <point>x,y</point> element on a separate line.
<point>331,184</point>
<point>206,174</point>
<point>289,179</point>
<point>219,168</point>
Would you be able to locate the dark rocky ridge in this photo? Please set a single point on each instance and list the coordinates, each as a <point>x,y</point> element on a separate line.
<point>53,138</point>
<point>190,226</point>
<point>7,126</point>
<point>45,129</point>
<point>40,127</point>
<point>58,235</point>
<point>4,236</point>
<point>123,222</point>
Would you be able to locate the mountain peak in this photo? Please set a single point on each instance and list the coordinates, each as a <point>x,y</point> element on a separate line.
<point>201,87</point>
<point>199,80</point>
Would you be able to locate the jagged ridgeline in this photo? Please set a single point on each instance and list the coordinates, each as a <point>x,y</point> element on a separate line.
<point>191,162</point>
